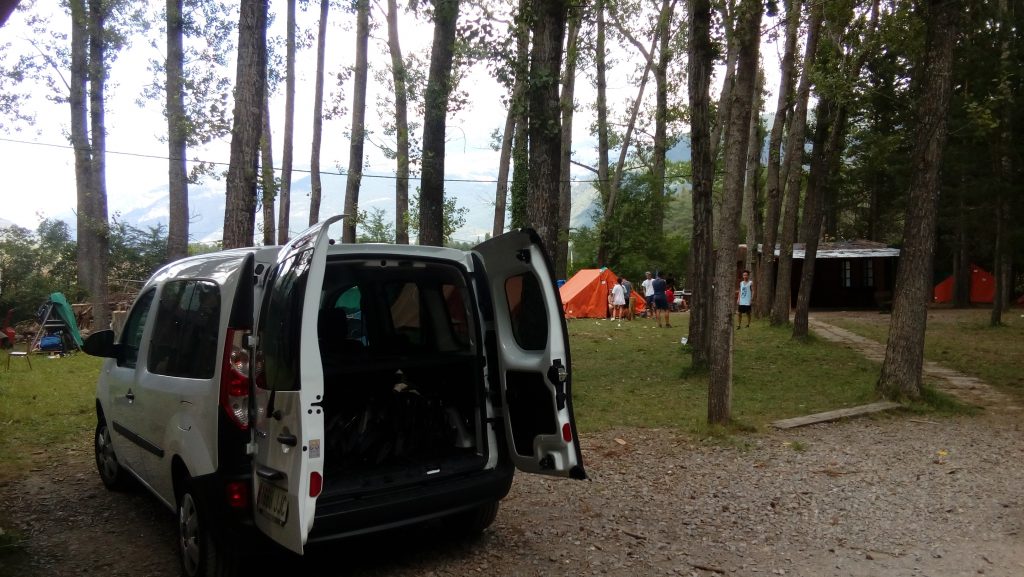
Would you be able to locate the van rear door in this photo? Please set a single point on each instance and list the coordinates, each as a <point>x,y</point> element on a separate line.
<point>532,350</point>
<point>288,424</point>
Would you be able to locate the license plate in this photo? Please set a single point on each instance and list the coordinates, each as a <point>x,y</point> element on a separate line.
<point>272,502</point>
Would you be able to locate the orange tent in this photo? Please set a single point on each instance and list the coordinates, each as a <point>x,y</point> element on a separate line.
<point>585,295</point>
<point>983,287</point>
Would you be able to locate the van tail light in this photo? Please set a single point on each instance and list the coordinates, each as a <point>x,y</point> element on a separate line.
<point>316,484</point>
<point>234,379</point>
<point>238,494</point>
<point>566,433</point>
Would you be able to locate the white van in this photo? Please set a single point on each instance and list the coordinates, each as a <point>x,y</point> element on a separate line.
<point>317,390</point>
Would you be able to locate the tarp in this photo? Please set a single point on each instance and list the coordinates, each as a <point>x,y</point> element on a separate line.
<point>983,287</point>
<point>585,295</point>
<point>67,314</point>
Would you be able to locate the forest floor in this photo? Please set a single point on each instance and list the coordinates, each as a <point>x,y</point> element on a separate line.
<point>892,495</point>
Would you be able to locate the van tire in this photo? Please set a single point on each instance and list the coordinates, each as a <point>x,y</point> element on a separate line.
<point>113,475</point>
<point>202,553</point>
<point>473,522</point>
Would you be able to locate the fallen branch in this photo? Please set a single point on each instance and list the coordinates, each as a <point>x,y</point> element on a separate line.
<point>635,535</point>
<point>923,421</point>
<point>708,568</point>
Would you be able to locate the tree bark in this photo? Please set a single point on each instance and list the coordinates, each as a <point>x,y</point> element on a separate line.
<point>177,173</point>
<point>98,216</point>
<point>568,107</point>
<point>78,95</point>
<point>601,78</point>
<point>719,120</point>
<point>765,281</point>
<point>545,125</point>
<point>794,161</point>
<point>267,174</point>
<point>699,85</point>
<point>736,141</point>
<point>661,119</point>
<point>751,202</point>
<point>904,352</point>
<point>358,137</point>
<point>285,201</point>
<point>1003,258</point>
<point>240,210</point>
<point>446,13</point>
<point>316,186</point>
<point>398,73</point>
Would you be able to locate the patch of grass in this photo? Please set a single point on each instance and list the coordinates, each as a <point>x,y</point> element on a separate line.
<point>935,402</point>
<point>45,410</point>
<point>798,446</point>
<point>963,340</point>
<point>634,374</point>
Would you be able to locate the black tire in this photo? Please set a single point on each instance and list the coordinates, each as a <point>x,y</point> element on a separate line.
<point>473,522</point>
<point>202,553</point>
<point>113,475</point>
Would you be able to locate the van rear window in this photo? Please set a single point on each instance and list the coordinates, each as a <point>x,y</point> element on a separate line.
<point>280,325</point>
<point>186,330</point>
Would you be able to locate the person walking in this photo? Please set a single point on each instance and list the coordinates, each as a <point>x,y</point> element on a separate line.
<point>744,299</point>
<point>618,300</point>
<point>648,285</point>
<point>660,301</point>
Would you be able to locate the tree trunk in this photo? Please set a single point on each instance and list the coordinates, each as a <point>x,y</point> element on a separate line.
<point>699,85</point>
<point>78,94</point>
<point>962,258</point>
<point>285,201</point>
<point>446,13</point>
<point>398,73</point>
<point>751,202</point>
<point>736,141</point>
<point>98,210</point>
<point>519,108</point>
<point>504,163</point>
<point>719,120</point>
<point>794,160</point>
<point>316,187</point>
<point>904,352</point>
<point>1003,257</point>
<point>177,173</point>
<point>568,107</point>
<point>661,120</point>
<point>355,151</point>
<point>545,125</point>
<point>240,210</point>
<point>267,174</point>
<point>765,281</point>
<point>601,74</point>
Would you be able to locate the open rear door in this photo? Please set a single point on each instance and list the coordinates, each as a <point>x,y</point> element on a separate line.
<point>288,425</point>
<point>532,350</point>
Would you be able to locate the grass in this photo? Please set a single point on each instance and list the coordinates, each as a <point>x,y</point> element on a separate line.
<point>963,340</point>
<point>45,410</point>
<point>633,374</point>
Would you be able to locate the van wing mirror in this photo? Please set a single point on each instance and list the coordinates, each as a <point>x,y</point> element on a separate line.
<point>101,344</point>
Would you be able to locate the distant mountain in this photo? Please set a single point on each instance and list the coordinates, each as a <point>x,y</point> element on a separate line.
<point>4,223</point>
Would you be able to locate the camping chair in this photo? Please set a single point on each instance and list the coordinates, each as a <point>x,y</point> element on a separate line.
<point>20,354</point>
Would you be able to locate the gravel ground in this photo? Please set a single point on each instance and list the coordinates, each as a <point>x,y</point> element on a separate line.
<point>888,496</point>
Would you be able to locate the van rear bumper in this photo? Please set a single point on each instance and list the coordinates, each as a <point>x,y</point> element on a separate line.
<point>342,517</point>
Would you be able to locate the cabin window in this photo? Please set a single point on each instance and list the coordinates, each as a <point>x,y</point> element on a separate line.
<point>869,273</point>
<point>847,274</point>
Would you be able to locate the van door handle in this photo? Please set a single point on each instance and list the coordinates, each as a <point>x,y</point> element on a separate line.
<point>130,396</point>
<point>287,439</point>
<point>268,473</point>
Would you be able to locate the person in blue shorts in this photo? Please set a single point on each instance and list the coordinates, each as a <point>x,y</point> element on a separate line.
<point>660,300</point>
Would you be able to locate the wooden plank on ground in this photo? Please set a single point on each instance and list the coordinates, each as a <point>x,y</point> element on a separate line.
<point>835,415</point>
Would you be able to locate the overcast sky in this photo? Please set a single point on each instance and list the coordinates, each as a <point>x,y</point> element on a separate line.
<point>37,166</point>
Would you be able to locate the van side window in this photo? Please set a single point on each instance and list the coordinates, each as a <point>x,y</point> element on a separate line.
<point>280,324</point>
<point>527,311</point>
<point>131,334</point>
<point>186,330</point>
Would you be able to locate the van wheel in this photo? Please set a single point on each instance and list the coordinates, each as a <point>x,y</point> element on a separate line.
<point>114,476</point>
<point>474,521</point>
<point>202,553</point>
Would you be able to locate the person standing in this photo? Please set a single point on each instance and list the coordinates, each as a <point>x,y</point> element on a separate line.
<point>660,301</point>
<point>648,285</point>
<point>744,299</point>
<point>627,289</point>
<point>618,300</point>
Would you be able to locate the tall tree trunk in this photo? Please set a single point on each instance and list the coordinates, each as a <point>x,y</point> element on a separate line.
<point>519,108</point>
<point>664,54</point>
<point>794,160</point>
<point>240,210</point>
<point>316,187</point>
<point>962,256</point>
<point>721,116</point>
<point>765,281</point>
<point>98,210</point>
<point>1003,258</point>
<point>568,107</point>
<point>398,73</point>
<point>904,352</point>
<point>446,13</point>
<point>751,202</point>
<point>177,173</point>
<point>736,140</point>
<point>267,174</point>
<point>699,85</point>
<point>504,163</point>
<point>355,151</point>
<point>545,126</point>
<point>285,204</point>
<point>826,138</point>
<point>601,81</point>
<point>78,95</point>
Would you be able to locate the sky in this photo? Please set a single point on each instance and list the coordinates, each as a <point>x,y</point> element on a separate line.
<point>37,166</point>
